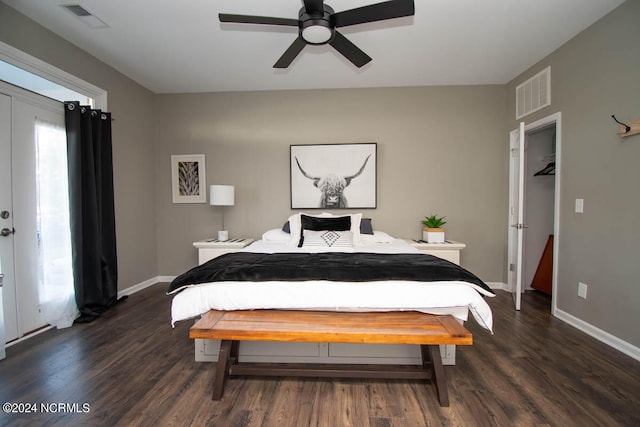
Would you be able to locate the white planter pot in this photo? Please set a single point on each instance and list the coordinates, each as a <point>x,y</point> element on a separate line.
<point>433,235</point>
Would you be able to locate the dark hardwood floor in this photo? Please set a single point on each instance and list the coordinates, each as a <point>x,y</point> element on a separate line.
<point>131,368</point>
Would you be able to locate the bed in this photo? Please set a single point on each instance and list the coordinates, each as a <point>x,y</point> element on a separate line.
<point>329,263</point>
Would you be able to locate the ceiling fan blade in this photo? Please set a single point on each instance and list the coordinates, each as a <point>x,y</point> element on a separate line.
<point>249,19</point>
<point>374,12</point>
<point>314,7</point>
<point>349,50</point>
<point>290,54</point>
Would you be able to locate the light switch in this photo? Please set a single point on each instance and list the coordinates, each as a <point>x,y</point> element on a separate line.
<point>579,205</point>
<point>582,290</point>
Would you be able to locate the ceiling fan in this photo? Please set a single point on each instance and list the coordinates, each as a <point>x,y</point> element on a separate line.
<point>317,25</point>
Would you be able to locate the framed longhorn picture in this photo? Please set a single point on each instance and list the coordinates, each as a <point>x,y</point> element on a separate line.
<point>333,176</point>
<point>188,179</point>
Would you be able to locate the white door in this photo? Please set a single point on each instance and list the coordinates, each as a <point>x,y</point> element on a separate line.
<point>3,354</point>
<point>6,222</point>
<point>516,213</point>
<point>19,249</point>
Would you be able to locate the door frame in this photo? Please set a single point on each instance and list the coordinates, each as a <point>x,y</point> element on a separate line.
<point>515,231</point>
<point>8,318</point>
<point>47,71</point>
<point>553,119</point>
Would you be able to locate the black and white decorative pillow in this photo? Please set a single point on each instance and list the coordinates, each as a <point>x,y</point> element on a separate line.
<point>327,239</point>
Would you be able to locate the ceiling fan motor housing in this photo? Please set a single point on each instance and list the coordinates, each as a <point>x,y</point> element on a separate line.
<point>317,29</point>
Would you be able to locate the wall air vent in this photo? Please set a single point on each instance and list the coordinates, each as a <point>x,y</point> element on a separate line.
<point>534,94</point>
<point>87,18</point>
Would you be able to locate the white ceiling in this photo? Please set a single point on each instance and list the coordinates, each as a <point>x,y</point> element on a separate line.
<point>174,46</point>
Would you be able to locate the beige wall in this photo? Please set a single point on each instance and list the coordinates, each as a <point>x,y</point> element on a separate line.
<point>440,150</point>
<point>594,75</point>
<point>134,169</point>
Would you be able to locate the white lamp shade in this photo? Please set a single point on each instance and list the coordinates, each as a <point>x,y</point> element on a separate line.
<point>221,195</point>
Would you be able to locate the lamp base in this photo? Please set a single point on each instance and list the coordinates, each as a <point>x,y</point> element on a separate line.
<point>223,235</point>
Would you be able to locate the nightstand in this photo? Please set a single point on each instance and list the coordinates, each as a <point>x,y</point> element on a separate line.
<point>449,250</point>
<point>211,248</point>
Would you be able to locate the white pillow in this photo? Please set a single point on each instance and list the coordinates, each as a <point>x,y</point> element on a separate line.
<point>355,228</point>
<point>294,229</point>
<point>276,235</point>
<point>327,239</point>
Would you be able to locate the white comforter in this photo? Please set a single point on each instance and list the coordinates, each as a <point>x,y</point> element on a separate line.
<point>455,298</point>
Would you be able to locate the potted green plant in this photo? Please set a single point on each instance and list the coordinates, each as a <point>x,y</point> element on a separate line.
<point>432,232</point>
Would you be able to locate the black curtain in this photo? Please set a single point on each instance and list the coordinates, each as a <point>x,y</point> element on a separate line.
<point>92,214</point>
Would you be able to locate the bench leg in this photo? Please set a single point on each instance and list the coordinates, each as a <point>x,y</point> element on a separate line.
<point>431,355</point>
<point>222,367</point>
<point>235,350</point>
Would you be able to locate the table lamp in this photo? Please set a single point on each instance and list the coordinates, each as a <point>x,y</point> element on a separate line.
<point>222,195</point>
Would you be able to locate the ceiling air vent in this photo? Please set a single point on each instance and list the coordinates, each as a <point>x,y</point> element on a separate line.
<point>87,18</point>
<point>534,94</point>
<point>77,10</point>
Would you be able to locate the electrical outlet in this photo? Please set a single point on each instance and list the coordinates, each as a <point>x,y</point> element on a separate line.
<point>582,290</point>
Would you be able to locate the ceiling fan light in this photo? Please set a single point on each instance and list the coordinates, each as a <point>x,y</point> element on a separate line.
<point>316,34</point>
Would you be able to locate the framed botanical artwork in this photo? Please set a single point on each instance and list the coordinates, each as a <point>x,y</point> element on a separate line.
<point>188,179</point>
<point>333,176</point>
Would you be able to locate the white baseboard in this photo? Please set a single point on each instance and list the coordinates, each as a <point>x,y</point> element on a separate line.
<point>140,286</point>
<point>498,285</point>
<point>605,337</point>
<point>602,336</point>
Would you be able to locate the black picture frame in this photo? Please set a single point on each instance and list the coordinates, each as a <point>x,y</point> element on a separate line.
<point>334,176</point>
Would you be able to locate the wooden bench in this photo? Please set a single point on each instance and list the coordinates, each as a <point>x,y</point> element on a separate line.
<point>428,331</point>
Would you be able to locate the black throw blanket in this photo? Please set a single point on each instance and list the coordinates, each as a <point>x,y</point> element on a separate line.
<point>331,266</point>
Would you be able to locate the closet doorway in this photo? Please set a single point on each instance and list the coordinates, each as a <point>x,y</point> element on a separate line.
<point>540,207</point>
